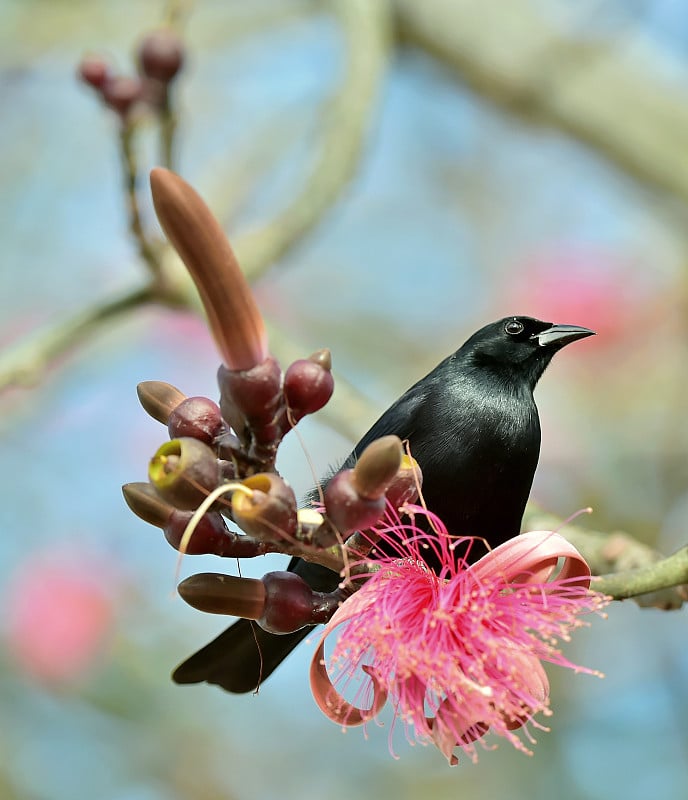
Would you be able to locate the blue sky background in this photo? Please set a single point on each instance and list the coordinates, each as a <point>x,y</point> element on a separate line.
<point>454,205</point>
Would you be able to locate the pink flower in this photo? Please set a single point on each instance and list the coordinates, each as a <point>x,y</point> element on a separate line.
<point>574,281</point>
<point>58,616</point>
<point>460,652</point>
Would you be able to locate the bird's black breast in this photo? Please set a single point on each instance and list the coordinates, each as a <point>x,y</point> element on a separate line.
<point>477,442</point>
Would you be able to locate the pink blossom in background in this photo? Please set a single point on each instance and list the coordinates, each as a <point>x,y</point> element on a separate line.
<point>457,653</point>
<point>603,290</point>
<point>59,614</point>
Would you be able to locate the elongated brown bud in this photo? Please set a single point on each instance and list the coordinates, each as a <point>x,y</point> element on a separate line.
<point>184,471</point>
<point>281,602</point>
<point>211,536</point>
<point>159,399</point>
<point>224,594</point>
<point>378,466</point>
<point>147,504</point>
<point>197,236</point>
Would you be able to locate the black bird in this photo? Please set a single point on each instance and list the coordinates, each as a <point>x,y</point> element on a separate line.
<point>473,426</point>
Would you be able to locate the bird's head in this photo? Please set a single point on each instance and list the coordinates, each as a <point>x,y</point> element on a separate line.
<point>521,345</point>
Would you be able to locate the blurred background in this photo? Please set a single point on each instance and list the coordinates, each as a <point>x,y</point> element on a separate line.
<point>394,176</point>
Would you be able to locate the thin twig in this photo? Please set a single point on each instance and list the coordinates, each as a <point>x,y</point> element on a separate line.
<point>176,12</point>
<point>619,554</point>
<point>131,177</point>
<point>582,88</point>
<point>669,573</point>
<point>168,128</point>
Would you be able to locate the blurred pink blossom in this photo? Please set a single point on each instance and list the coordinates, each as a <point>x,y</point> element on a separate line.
<point>459,652</point>
<point>60,611</point>
<point>597,288</point>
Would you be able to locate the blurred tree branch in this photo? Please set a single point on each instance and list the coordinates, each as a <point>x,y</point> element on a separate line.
<point>596,91</point>
<point>346,120</point>
<point>626,567</point>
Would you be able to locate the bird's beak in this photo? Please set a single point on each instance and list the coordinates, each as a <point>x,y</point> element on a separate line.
<point>560,335</point>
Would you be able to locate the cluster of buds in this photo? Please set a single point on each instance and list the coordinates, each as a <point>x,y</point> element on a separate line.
<point>459,651</point>
<point>213,487</point>
<point>160,57</point>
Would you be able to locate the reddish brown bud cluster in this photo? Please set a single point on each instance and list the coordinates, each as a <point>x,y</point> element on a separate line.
<point>160,58</point>
<point>220,461</point>
<point>205,458</point>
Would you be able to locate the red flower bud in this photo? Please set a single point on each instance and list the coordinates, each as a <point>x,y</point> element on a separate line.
<point>346,508</point>
<point>121,92</point>
<point>308,384</point>
<point>161,55</point>
<point>94,70</point>
<point>256,393</point>
<point>406,484</point>
<point>289,603</point>
<point>198,417</point>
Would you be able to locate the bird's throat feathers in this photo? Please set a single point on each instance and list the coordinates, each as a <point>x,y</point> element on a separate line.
<point>511,377</point>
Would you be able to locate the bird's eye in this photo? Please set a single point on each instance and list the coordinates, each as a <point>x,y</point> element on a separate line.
<point>513,327</point>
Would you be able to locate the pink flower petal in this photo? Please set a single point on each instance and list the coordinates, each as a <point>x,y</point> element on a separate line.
<point>532,558</point>
<point>330,701</point>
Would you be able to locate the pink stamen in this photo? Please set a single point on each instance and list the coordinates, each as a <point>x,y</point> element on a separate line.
<point>459,651</point>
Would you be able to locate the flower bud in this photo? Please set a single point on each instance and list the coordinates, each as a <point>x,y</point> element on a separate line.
<point>256,393</point>
<point>224,594</point>
<point>233,315</point>
<point>289,602</point>
<point>378,467</point>
<point>121,92</point>
<point>211,536</point>
<point>147,504</point>
<point>161,55</point>
<point>184,471</point>
<point>159,399</point>
<point>346,508</point>
<point>308,384</point>
<point>268,512</point>
<point>197,417</point>
<point>94,70</point>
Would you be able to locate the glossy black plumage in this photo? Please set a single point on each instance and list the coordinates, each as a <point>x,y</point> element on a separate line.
<point>473,427</point>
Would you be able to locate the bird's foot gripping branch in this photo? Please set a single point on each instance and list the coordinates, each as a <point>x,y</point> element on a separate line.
<point>455,646</point>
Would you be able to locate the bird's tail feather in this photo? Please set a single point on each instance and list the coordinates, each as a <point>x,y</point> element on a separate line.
<point>240,658</point>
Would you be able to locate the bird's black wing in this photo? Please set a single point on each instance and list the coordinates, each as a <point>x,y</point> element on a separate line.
<point>244,655</point>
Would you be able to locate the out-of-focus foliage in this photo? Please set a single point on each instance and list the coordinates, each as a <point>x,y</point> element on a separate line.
<point>461,211</point>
